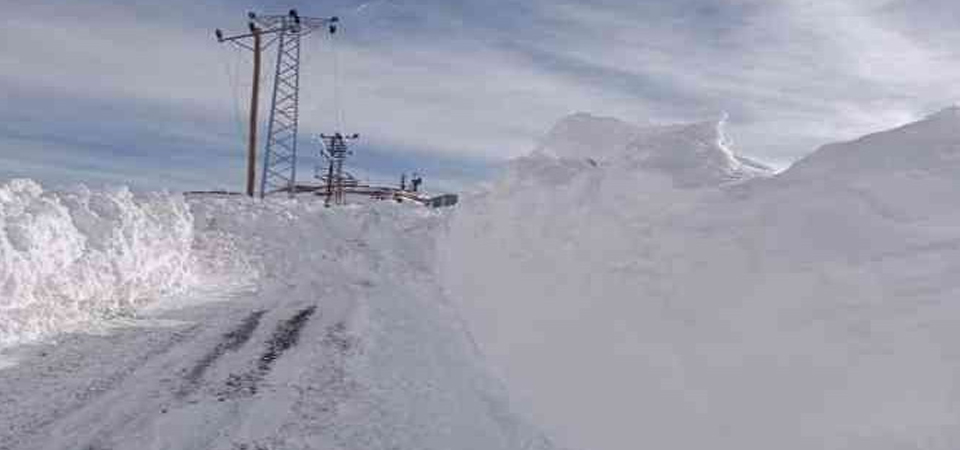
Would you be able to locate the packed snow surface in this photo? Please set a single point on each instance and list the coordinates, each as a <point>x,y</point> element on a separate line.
<point>622,287</point>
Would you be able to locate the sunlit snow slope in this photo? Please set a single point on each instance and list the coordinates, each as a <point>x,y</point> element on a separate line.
<point>644,287</point>
<point>295,327</point>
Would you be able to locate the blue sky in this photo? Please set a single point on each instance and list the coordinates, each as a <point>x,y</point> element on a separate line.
<point>138,92</point>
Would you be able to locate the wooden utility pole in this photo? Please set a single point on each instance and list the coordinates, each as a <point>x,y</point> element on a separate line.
<point>254,106</point>
<point>256,33</point>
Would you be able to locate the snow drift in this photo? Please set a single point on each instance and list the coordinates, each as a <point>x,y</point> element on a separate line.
<point>694,154</point>
<point>670,294</point>
<point>68,257</point>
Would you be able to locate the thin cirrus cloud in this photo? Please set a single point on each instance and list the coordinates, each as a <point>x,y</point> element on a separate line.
<point>456,87</point>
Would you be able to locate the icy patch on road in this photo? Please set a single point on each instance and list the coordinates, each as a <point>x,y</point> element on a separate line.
<point>69,257</point>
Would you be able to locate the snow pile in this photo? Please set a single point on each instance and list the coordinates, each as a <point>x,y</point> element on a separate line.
<point>927,146</point>
<point>636,305</point>
<point>693,154</point>
<point>73,256</point>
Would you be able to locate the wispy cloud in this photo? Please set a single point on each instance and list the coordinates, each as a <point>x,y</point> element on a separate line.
<point>466,83</point>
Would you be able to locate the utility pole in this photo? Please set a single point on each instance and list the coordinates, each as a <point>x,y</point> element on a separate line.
<point>336,151</point>
<point>254,106</point>
<point>282,132</point>
<point>256,34</point>
<point>280,157</point>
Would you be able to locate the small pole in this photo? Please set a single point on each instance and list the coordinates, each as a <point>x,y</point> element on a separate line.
<point>254,105</point>
<point>329,184</point>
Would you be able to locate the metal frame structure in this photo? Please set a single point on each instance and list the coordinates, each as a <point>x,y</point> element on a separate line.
<point>335,150</point>
<point>280,157</point>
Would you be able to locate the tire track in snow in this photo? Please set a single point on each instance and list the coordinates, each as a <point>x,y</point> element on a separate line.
<point>232,341</point>
<point>284,337</point>
<point>320,395</point>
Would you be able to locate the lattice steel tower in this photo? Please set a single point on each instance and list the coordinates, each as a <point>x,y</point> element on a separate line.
<point>280,158</point>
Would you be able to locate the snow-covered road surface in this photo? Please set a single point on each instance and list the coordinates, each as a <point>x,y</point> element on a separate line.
<point>342,339</point>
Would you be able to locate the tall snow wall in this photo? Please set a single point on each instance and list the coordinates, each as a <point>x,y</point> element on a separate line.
<point>629,307</point>
<point>69,257</point>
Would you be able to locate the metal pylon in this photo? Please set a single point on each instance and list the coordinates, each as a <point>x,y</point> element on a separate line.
<point>280,157</point>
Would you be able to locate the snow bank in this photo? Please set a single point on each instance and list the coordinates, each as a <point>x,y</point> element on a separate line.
<point>813,309</point>
<point>68,257</point>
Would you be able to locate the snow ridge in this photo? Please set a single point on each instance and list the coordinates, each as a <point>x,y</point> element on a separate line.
<point>931,145</point>
<point>68,257</point>
<point>694,155</point>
